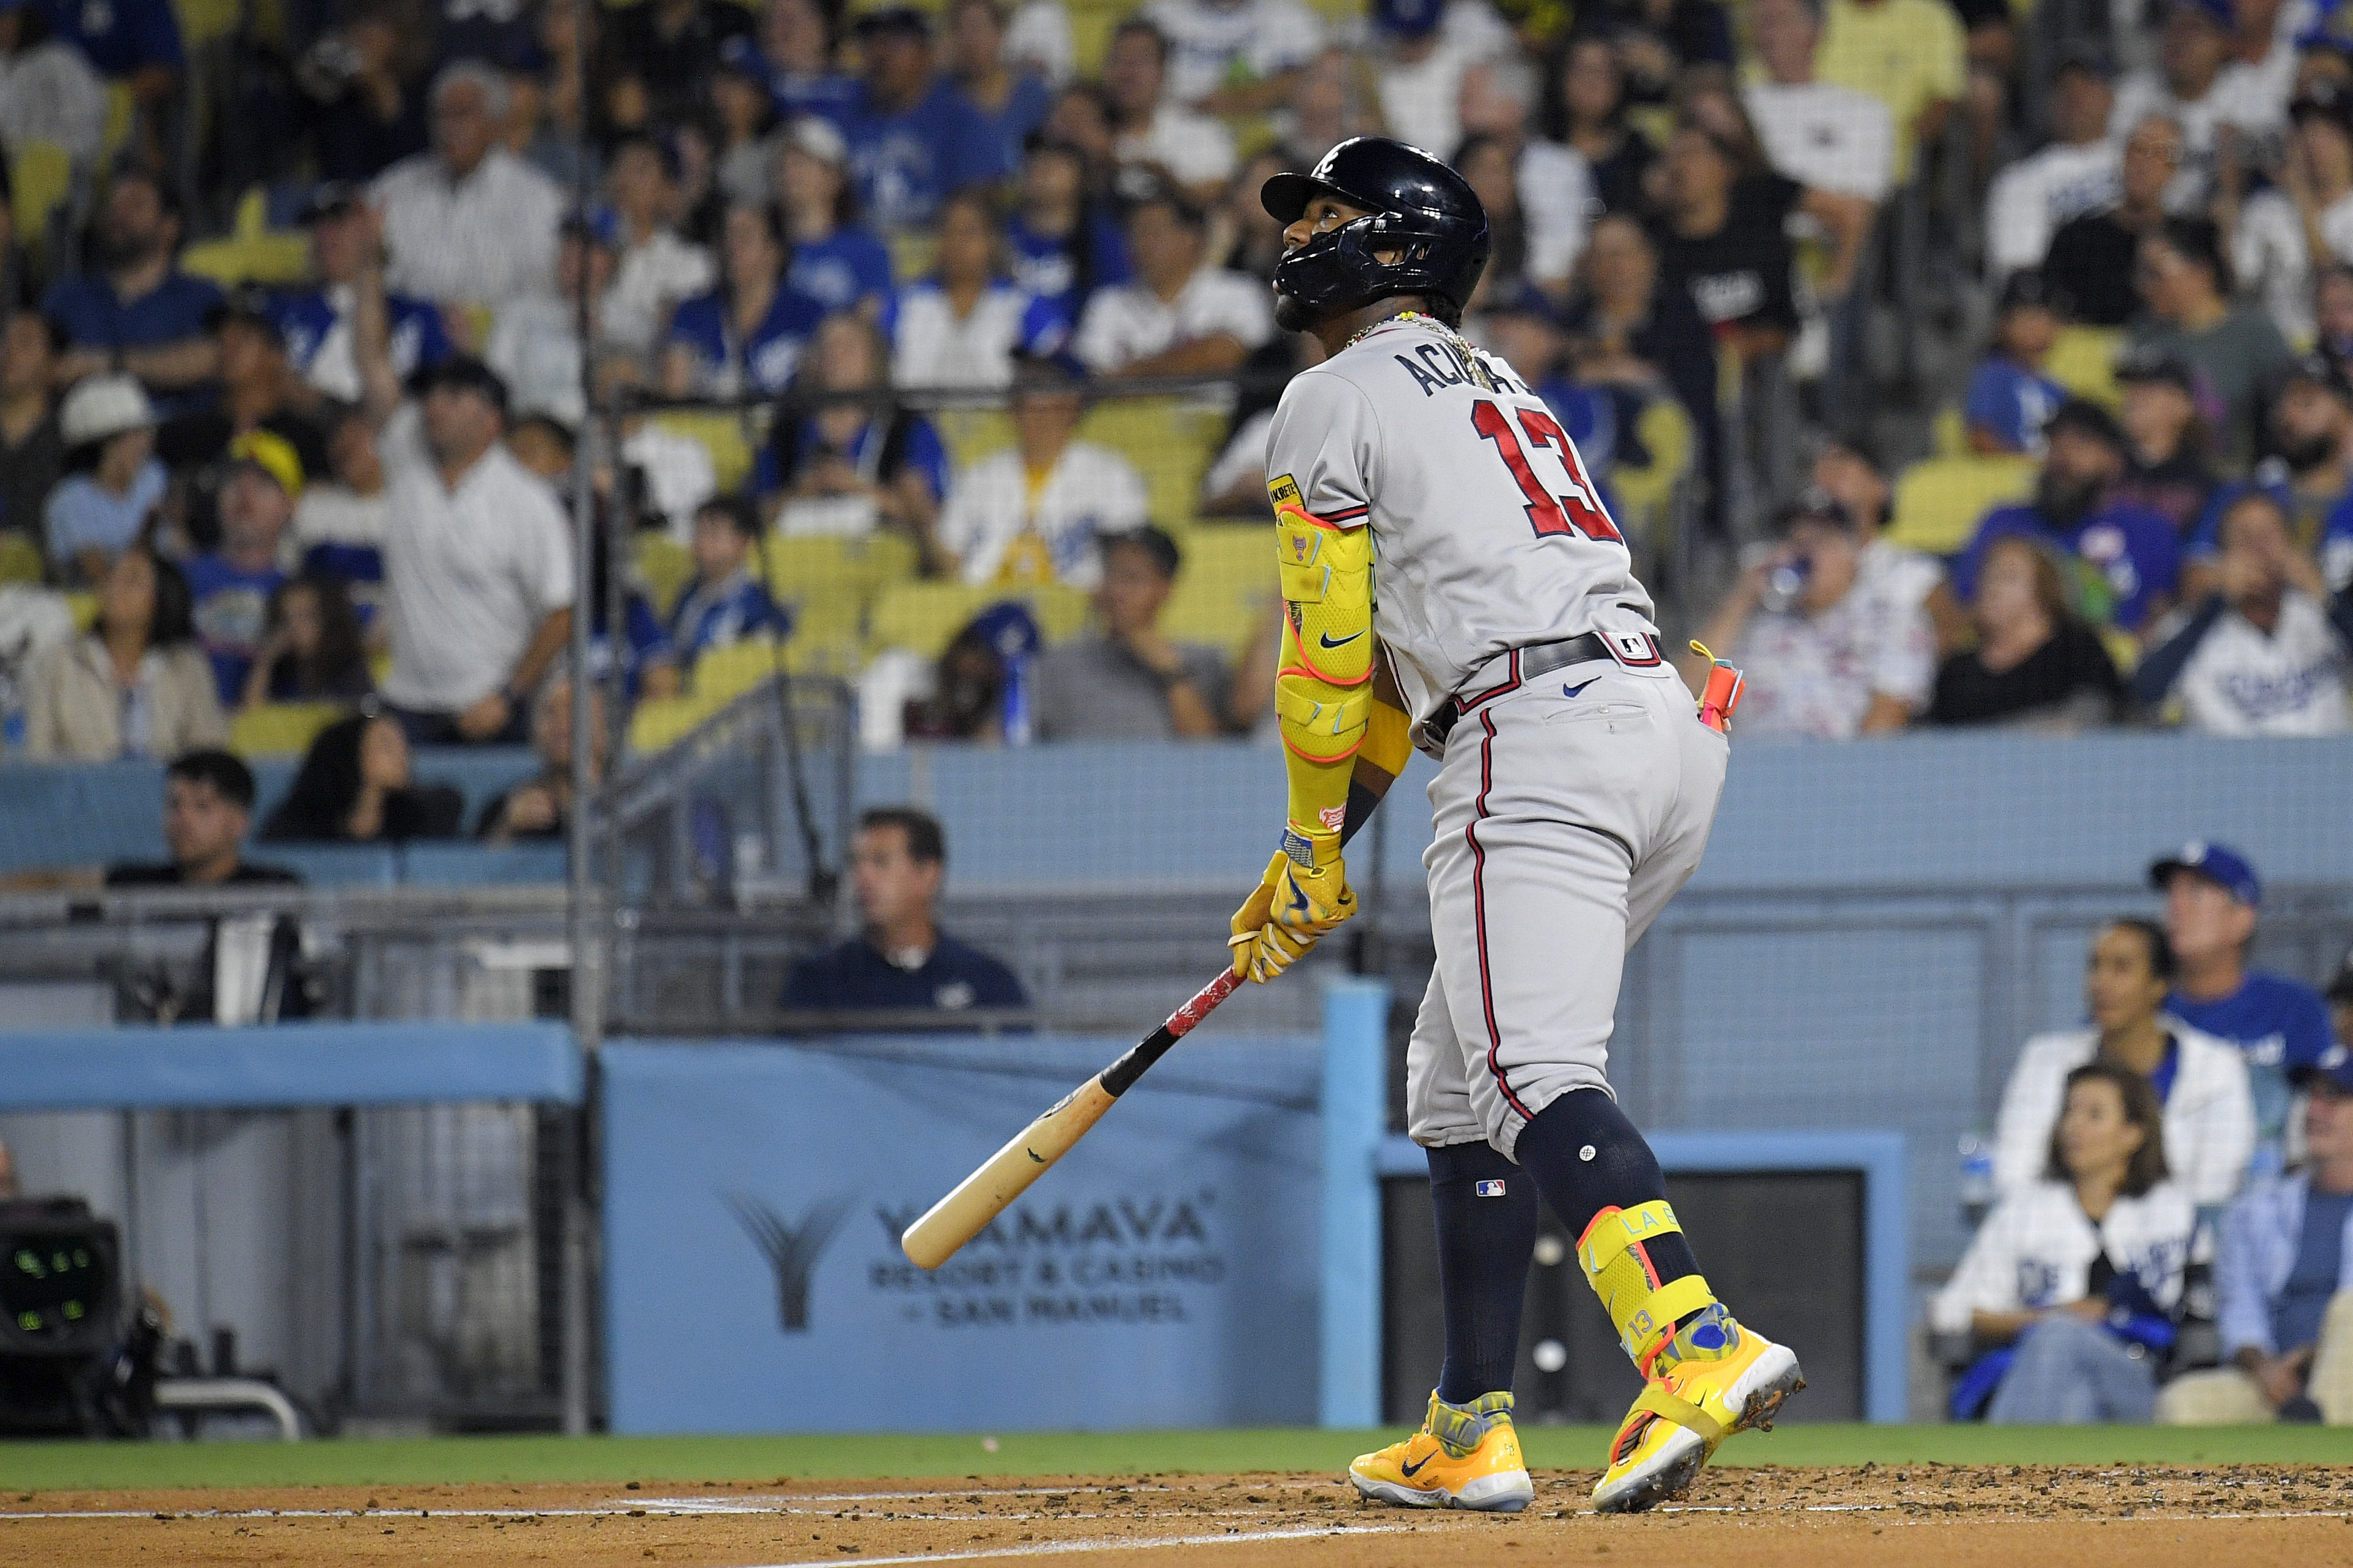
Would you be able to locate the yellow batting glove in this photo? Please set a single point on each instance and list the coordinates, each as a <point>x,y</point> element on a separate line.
<point>1304,895</point>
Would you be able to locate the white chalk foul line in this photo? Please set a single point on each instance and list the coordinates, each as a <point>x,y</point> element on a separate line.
<point>1110,1543</point>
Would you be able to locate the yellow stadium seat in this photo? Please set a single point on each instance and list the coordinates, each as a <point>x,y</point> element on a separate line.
<point>1224,586</point>
<point>40,180</point>
<point>972,433</point>
<point>253,252</point>
<point>1949,436</point>
<point>830,582</point>
<point>202,21</point>
<point>662,723</point>
<point>721,434</point>
<point>121,114</point>
<point>281,729</point>
<point>913,251</point>
<point>724,674</point>
<point>664,567</point>
<point>2084,361</point>
<point>1645,494</point>
<point>923,616</point>
<point>84,610</point>
<point>1170,440</point>
<point>1940,501</point>
<point>20,558</point>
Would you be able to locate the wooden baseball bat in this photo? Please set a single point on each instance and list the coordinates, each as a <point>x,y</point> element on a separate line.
<point>986,1194</point>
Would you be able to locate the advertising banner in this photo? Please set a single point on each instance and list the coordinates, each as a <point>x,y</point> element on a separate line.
<point>1162,1274</point>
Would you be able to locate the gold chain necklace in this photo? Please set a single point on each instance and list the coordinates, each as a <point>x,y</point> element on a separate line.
<point>1471,363</point>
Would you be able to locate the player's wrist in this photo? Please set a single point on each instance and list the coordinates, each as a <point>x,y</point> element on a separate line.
<point>1311,846</point>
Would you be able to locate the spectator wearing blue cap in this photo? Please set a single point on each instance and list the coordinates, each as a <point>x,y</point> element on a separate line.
<point>1033,512</point>
<point>2010,399</point>
<point>900,959</point>
<point>2126,559</point>
<point>2211,895</point>
<point>2267,652</point>
<point>913,138</point>
<point>2284,1280</point>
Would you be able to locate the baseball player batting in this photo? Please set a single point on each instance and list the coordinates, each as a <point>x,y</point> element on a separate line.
<point>1429,506</point>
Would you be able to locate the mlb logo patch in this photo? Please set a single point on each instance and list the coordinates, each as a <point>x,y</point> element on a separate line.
<point>1488,1189</point>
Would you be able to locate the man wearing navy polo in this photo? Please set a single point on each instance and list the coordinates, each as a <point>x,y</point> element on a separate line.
<point>2211,895</point>
<point>900,959</point>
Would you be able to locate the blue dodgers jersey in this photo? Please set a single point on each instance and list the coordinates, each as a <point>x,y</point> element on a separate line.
<point>2133,553</point>
<point>232,613</point>
<point>417,337</point>
<point>1046,269</point>
<point>764,363</point>
<point>843,269</point>
<point>2012,403</point>
<point>904,164</point>
<point>2278,1025</point>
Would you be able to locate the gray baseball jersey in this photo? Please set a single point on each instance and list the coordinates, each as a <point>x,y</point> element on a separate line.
<point>1488,533</point>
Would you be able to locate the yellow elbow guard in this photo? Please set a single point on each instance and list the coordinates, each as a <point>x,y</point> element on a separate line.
<point>1323,689</point>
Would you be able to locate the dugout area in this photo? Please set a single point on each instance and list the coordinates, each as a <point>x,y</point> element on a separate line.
<point>1822,1494</point>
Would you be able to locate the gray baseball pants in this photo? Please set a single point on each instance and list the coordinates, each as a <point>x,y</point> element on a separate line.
<point>1567,814</point>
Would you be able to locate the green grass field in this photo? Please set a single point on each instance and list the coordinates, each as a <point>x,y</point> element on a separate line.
<point>50,1466</point>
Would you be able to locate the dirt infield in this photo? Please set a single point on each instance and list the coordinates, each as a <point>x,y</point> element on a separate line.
<point>1919,1514</point>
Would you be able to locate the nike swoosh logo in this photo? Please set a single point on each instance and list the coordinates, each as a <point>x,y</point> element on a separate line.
<point>1326,639</point>
<point>1298,899</point>
<point>1408,1471</point>
<point>1577,690</point>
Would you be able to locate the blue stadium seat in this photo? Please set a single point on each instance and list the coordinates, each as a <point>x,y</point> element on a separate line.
<point>332,865</point>
<point>66,815</point>
<point>481,866</point>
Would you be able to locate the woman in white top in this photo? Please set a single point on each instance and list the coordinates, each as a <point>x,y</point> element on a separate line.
<point>963,325</point>
<point>2076,1276</point>
<point>2200,1081</point>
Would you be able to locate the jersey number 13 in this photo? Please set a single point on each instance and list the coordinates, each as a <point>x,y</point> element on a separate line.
<point>1579,510</point>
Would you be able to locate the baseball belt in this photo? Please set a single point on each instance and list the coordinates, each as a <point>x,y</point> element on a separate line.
<point>1526,664</point>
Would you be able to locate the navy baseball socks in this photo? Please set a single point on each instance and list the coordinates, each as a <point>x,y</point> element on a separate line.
<point>1707,1376</point>
<point>1467,1454</point>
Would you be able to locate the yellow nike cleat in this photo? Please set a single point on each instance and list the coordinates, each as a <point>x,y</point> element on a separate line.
<point>1715,1378</point>
<point>1465,1456</point>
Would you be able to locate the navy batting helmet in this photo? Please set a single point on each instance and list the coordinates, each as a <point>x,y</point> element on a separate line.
<point>1422,212</point>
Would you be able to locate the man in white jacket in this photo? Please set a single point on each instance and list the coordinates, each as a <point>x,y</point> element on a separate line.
<point>2201,1082</point>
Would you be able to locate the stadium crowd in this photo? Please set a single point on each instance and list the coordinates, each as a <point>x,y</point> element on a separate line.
<point>228,482</point>
<point>2183,1164</point>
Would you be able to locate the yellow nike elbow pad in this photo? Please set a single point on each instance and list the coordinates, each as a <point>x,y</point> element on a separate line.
<point>1327,581</point>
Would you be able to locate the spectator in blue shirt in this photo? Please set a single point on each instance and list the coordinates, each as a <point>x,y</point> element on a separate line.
<point>234,584</point>
<point>835,261</point>
<point>844,466</point>
<point>135,311</point>
<point>1009,104</point>
<point>746,335</point>
<point>2126,558</point>
<point>2211,895</point>
<point>725,604</point>
<point>2009,398</point>
<point>319,324</point>
<point>900,959</point>
<point>913,138</point>
<point>112,480</point>
<point>2281,1277</point>
<point>1063,244</point>
<point>794,56</point>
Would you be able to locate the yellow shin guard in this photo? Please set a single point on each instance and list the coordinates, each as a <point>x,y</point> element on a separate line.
<point>1617,1263</point>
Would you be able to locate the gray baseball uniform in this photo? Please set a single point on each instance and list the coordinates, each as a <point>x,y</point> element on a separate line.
<point>1570,807</point>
